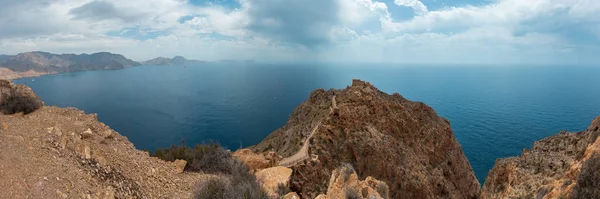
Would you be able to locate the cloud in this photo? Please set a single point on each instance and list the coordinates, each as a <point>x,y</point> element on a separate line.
<point>416,5</point>
<point>501,31</point>
<point>102,10</point>
<point>305,22</point>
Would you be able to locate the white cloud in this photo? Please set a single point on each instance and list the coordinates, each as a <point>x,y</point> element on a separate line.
<point>508,31</point>
<point>416,5</point>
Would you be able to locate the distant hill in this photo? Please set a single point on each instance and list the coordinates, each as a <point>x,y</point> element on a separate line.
<point>4,57</point>
<point>54,63</point>
<point>177,60</point>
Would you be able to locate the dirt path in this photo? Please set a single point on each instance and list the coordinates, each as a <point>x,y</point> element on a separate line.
<point>300,155</point>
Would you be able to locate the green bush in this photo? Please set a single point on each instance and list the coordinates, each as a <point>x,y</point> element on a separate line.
<point>210,158</point>
<point>588,182</point>
<point>11,104</point>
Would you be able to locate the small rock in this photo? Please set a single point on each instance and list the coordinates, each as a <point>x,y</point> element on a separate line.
<point>63,142</point>
<point>87,133</point>
<point>180,165</point>
<point>101,160</point>
<point>108,134</point>
<point>61,194</point>
<point>291,195</point>
<point>110,193</point>
<point>87,152</point>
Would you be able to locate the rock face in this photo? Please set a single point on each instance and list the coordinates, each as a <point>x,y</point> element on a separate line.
<point>344,183</point>
<point>272,177</point>
<point>403,143</point>
<point>53,63</point>
<point>551,169</point>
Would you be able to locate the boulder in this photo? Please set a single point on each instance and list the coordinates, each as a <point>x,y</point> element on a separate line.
<point>252,160</point>
<point>344,183</point>
<point>272,177</point>
<point>291,195</point>
<point>180,165</point>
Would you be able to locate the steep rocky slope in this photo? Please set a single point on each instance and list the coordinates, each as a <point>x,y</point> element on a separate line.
<point>551,169</point>
<point>403,143</point>
<point>54,63</point>
<point>65,153</point>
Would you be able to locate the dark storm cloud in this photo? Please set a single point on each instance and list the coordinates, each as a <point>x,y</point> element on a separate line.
<point>101,10</point>
<point>304,22</point>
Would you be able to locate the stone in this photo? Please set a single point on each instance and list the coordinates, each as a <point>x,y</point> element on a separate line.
<point>345,178</point>
<point>87,133</point>
<point>291,195</point>
<point>252,160</point>
<point>322,196</point>
<point>64,141</point>
<point>87,152</point>
<point>110,193</point>
<point>272,177</point>
<point>180,166</point>
<point>108,134</point>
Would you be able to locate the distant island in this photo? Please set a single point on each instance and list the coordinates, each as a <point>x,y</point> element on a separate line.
<point>177,60</point>
<point>31,64</point>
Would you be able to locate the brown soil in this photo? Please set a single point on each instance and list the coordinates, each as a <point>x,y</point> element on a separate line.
<point>64,153</point>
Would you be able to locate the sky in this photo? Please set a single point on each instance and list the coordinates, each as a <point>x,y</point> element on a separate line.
<point>348,31</point>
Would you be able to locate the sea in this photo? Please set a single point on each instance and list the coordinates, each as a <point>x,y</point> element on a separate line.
<point>495,111</point>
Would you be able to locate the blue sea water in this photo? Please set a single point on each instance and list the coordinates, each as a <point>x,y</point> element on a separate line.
<point>495,111</point>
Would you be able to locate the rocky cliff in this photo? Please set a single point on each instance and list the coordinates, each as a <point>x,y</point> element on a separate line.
<point>55,63</point>
<point>566,165</point>
<point>403,143</point>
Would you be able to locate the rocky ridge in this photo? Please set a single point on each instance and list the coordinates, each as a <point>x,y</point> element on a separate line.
<point>400,142</point>
<point>551,169</point>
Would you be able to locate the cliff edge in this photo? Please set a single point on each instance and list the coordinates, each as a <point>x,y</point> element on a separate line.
<point>403,143</point>
<point>64,153</point>
<point>566,165</point>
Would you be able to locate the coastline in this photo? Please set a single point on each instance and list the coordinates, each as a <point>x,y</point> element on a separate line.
<point>8,74</point>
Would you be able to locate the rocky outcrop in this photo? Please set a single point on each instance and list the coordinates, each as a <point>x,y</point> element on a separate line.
<point>551,169</point>
<point>344,183</point>
<point>252,160</point>
<point>44,62</point>
<point>65,153</point>
<point>272,178</point>
<point>177,60</point>
<point>403,143</point>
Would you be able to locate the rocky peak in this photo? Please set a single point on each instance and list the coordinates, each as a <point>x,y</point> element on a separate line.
<point>403,143</point>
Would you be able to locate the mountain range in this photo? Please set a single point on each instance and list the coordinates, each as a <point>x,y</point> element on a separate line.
<point>39,63</point>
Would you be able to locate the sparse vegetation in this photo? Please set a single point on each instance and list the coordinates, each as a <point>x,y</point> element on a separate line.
<point>236,181</point>
<point>210,158</point>
<point>15,103</point>
<point>588,182</point>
